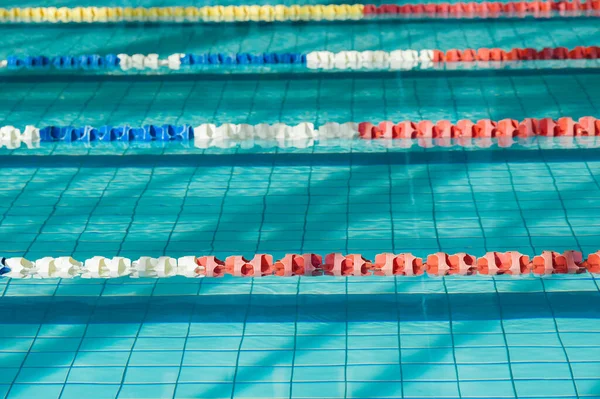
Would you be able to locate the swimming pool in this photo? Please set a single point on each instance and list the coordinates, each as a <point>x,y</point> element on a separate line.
<point>469,335</point>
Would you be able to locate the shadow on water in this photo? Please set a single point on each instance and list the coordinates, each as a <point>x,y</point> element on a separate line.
<point>431,156</point>
<point>268,308</point>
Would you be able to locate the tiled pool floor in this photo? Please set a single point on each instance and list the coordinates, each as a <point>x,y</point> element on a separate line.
<point>454,201</point>
<point>293,98</point>
<point>301,338</point>
<point>166,39</point>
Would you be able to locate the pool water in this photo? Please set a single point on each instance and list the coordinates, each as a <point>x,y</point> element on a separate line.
<point>302,338</point>
<point>298,337</point>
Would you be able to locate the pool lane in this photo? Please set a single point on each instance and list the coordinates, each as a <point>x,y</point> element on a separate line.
<point>292,98</point>
<point>65,39</point>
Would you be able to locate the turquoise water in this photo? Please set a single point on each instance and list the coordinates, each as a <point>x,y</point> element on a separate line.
<point>328,201</point>
<point>293,98</point>
<point>271,338</point>
<point>326,337</point>
<point>300,37</point>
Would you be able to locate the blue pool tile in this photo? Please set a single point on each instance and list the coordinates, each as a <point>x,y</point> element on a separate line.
<point>160,358</point>
<point>267,343</point>
<point>206,374</point>
<point>486,389</point>
<point>536,354</point>
<point>164,330</point>
<point>62,330</point>
<point>74,290</point>
<point>154,391</point>
<point>583,354</point>
<point>541,370</point>
<point>263,374</point>
<point>205,391</point>
<point>489,372</point>
<point>30,290</point>
<point>413,389</point>
<point>94,359</point>
<point>544,388</point>
<point>318,373</point>
<point>366,390</point>
<point>438,355</point>
<point>46,375</point>
<point>55,344</point>
<point>204,358</point>
<point>26,391</point>
<point>372,357</point>
<point>91,391</point>
<point>151,375</point>
<point>428,372</point>
<point>49,359</point>
<point>481,355</point>
<point>159,344</point>
<point>96,375</point>
<point>318,390</point>
<point>123,290</point>
<point>588,388</point>
<point>373,373</point>
<point>427,341</point>
<point>273,358</point>
<point>8,374</point>
<point>585,370</point>
<point>541,339</point>
<point>261,390</point>
<point>12,359</point>
<point>357,342</point>
<point>106,344</point>
<point>16,344</point>
<point>213,343</point>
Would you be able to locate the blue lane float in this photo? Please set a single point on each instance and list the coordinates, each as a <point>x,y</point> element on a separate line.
<point>151,61</point>
<point>117,133</point>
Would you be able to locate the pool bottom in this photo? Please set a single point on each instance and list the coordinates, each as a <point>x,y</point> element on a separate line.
<point>301,338</point>
<point>241,204</point>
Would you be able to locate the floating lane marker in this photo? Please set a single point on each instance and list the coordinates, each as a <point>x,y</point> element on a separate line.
<point>484,128</point>
<point>321,12</point>
<point>343,60</point>
<point>334,264</point>
<point>465,133</point>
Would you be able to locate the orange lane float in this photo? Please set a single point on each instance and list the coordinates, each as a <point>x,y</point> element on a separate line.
<point>334,264</point>
<point>484,9</point>
<point>389,264</point>
<point>516,54</point>
<point>484,128</point>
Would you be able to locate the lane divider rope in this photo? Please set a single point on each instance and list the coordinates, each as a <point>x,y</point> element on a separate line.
<point>484,128</point>
<point>397,59</point>
<point>321,12</point>
<point>334,264</point>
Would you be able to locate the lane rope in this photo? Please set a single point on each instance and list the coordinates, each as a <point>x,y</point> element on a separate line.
<point>334,264</point>
<point>321,12</point>
<point>343,60</point>
<point>484,128</point>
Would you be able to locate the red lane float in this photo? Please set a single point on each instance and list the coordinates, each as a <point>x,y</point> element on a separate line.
<point>260,265</point>
<point>441,264</point>
<point>592,263</point>
<point>484,128</point>
<point>487,9</point>
<point>389,264</point>
<point>516,54</point>
<point>298,265</point>
<point>503,263</point>
<point>555,263</point>
<point>337,264</point>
